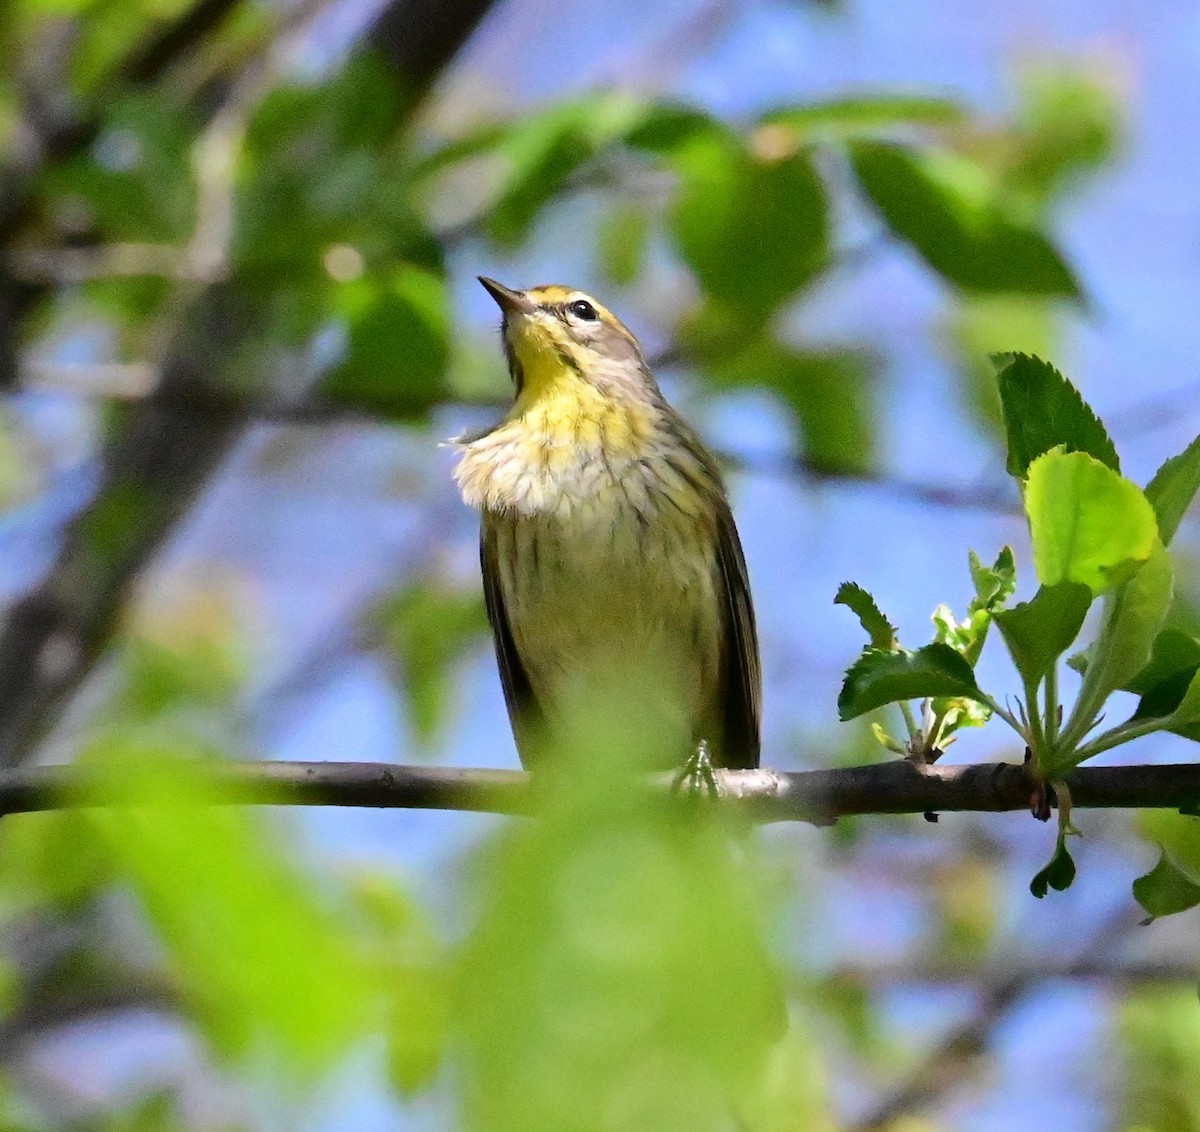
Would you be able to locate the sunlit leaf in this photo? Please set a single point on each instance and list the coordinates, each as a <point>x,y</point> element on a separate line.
<point>1087,523</point>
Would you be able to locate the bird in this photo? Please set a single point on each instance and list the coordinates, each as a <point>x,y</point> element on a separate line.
<point>613,573</point>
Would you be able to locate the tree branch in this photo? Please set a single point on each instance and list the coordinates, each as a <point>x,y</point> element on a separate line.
<point>816,796</point>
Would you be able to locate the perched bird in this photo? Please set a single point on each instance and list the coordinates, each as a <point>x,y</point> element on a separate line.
<point>610,556</point>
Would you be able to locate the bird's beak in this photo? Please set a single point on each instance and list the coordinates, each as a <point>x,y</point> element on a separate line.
<point>508,300</point>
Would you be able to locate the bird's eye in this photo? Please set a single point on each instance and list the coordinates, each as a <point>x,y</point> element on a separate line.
<point>581,308</point>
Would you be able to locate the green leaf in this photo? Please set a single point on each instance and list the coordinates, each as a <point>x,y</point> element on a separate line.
<point>830,391</point>
<point>1176,835</point>
<point>1174,652</point>
<point>881,631</point>
<point>1133,616</point>
<point>622,242</point>
<point>865,114</point>
<point>1059,874</point>
<point>255,954</point>
<point>994,584</point>
<point>1162,683</point>
<point>1173,488</point>
<point>399,342</point>
<point>1187,711</point>
<point>753,230</point>
<point>1037,632</point>
<point>878,678</point>
<point>1043,410</point>
<point>541,152</point>
<point>669,127</point>
<point>618,957</point>
<point>1164,890</point>
<point>429,628</point>
<point>1087,523</point>
<point>1067,124</point>
<point>947,208</point>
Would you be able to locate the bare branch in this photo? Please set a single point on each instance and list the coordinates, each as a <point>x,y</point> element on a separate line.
<point>816,796</point>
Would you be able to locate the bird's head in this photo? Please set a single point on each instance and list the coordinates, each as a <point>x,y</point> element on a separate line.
<point>554,334</point>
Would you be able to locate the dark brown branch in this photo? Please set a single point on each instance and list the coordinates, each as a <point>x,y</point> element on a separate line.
<point>817,796</point>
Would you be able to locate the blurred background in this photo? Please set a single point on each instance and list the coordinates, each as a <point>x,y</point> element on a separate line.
<point>239,319</point>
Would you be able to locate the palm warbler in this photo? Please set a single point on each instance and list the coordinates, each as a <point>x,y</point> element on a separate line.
<point>612,568</point>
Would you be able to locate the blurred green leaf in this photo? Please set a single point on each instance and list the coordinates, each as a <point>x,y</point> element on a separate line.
<point>258,957</point>
<point>134,184</point>
<point>287,219</point>
<point>1043,410</point>
<point>1160,1048</point>
<point>1173,488</point>
<point>1067,123</point>
<point>754,230</point>
<point>1164,890</point>
<point>399,342</point>
<point>668,127</point>
<point>947,208</point>
<point>1087,523</point>
<point>40,862</point>
<point>865,114</point>
<point>980,326</point>
<point>830,391</point>
<point>622,242</point>
<point>409,968</point>
<point>881,631</point>
<point>541,152</point>
<point>1039,631</point>
<point>429,628</point>
<point>617,979</point>
<point>878,678</point>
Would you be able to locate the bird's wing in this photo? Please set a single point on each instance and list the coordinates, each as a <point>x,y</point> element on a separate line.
<point>741,674</point>
<point>523,710</point>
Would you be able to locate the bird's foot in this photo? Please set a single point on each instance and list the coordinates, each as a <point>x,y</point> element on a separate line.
<point>697,778</point>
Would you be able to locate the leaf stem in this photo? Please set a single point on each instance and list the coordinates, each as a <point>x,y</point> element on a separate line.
<point>910,721</point>
<point>1008,717</point>
<point>1050,715</point>
<point>1115,736</point>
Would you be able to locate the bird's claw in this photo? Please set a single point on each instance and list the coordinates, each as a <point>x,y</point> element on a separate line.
<point>697,778</point>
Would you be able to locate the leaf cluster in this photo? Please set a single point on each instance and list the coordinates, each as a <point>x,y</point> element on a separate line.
<point>1098,539</point>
